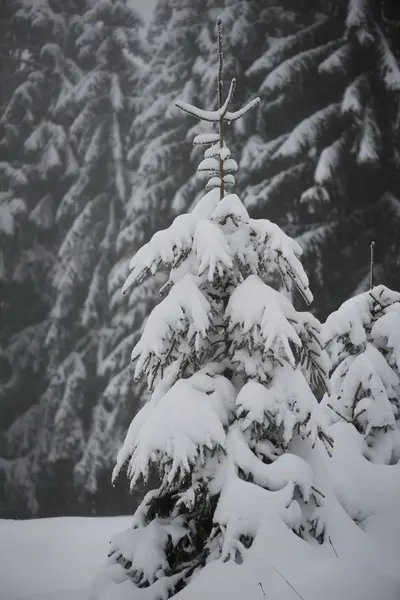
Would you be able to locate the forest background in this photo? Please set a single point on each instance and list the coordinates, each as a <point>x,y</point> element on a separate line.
<point>94,159</point>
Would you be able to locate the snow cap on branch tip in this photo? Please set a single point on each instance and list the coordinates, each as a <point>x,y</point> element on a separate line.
<point>222,113</point>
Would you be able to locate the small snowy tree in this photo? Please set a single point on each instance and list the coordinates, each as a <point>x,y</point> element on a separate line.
<point>230,363</point>
<point>363,341</point>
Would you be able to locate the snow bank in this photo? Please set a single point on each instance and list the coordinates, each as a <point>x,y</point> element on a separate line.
<point>279,561</point>
<point>53,559</point>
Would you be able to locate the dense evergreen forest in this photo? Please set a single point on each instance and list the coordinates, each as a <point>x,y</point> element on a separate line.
<point>94,159</point>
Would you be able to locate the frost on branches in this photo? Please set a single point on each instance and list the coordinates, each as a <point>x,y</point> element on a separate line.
<point>363,340</point>
<point>231,366</point>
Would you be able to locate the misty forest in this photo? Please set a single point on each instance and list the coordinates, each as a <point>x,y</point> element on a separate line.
<point>95,157</point>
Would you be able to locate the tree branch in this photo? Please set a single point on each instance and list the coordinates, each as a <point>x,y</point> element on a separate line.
<point>221,120</point>
<point>371,268</point>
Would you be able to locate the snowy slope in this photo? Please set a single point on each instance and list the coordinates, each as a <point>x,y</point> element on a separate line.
<point>55,559</point>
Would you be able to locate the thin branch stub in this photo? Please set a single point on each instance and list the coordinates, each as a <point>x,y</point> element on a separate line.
<point>371,270</point>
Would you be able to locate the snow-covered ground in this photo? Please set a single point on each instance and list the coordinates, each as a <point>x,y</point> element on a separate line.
<point>55,559</point>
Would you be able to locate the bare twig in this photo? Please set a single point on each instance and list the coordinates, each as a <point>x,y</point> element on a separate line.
<point>371,269</point>
<point>262,589</point>
<point>333,547</point>
<point>221,121</point>
<point>288,582</point>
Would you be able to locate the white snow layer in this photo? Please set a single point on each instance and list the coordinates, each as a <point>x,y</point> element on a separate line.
<point>58,557</point>
<point>53,559</point>
<point>191,415</point>
<point>355,563</point>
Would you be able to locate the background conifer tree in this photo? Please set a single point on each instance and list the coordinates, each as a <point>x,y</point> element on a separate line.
<point>100,109</point>
<point>324,139</point>
<point>37,165</point>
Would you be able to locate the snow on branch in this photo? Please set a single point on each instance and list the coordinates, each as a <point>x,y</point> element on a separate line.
<point>386,333</point>
<point>215,150</point>
<point>273,189</point>
<point>307,133</point>
<point>356,314</point>
<point>363,389</point>
<point>314,360</point>
<point>286,72</point>
<point>288,468</point>
<point>390,66</point>
<point>357,14</point>
<point>206,138</point>
<point>216,182</point>
<point>233,116</point>
<point>287,47</point>
<point>329,161</point>
<point>165,247</point>
<point>178,429</point>
<point>276,248</point>
<point>350,319</point>
<point>207,115</point>
<point>286,403</point>
<point>217,115</point>
<point>356,95</point>
<point>230,207</point>
<point>212,250</point>
<point>185,312</point>
<point>337,61</point>
<point>262,316</point>
<point>370,142</point>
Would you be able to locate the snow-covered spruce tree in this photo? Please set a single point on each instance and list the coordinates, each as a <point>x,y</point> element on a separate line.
<point>229,362</point>
<point>37,165</point>
<point>323,158</point>
<point>363,341</point>
<point>181,38</point>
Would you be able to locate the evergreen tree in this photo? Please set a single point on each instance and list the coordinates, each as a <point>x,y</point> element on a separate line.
<point>363,341</point>
<point>229,362</point>
<point>10,65</point>
<point>99,110</point>
<point>326,136</point>
<point>37,165</point>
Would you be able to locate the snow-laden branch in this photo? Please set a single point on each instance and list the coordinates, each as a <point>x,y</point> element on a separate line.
<point>234,116</point>
<point>215,116</point>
